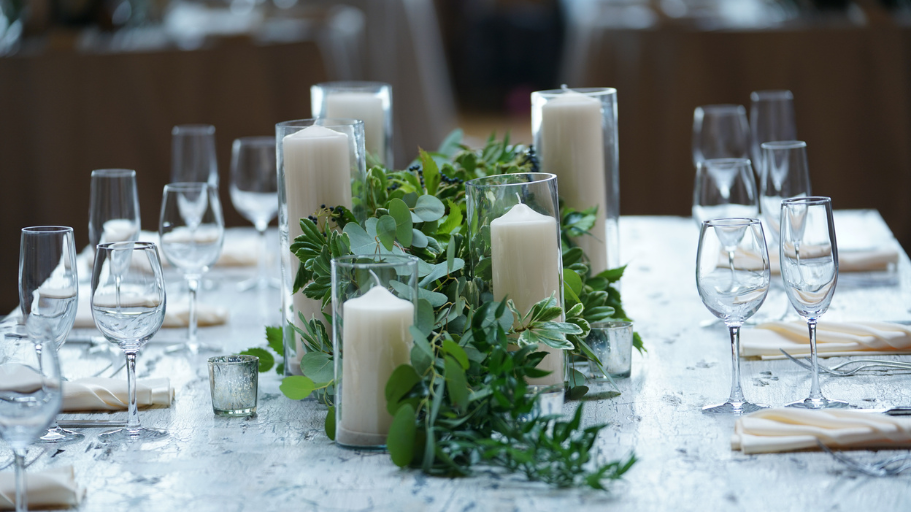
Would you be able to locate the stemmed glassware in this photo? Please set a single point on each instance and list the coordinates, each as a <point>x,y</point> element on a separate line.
<point>254,192</point>
<point>732,275</point>
<point>128,305</point>
<point>720,131</point>
<point>783,175</point>
<point>724,189</point>
<point>113,207</point>
<point>193,154</point>
<point>30,397</point>
<point>48,295</point>
<point>809,268</point>
<point>192,232</point>
<point>771,119</point>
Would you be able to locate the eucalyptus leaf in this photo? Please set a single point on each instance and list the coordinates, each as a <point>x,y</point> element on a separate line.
<point>442,269</point>
<point>318,367</point>
<point>266,360</point>
<point>386,231</point>
<point>456,383</point>
<point>419,239</point>
<point>401,381</point>
<point>452,348</point>
<point>429,208</point>
<point>399,211</point>
<point>425,316</point>
<point>362,244</point>
<point>400,441</point>
<point>296,387</point>
<point>329,424</point>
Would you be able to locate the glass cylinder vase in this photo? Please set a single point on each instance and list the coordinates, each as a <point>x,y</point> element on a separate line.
<point>575,135</point>
<point>374,304</point>
<point>321,163</point>
<point>514,242</point>
<point>371,102</point>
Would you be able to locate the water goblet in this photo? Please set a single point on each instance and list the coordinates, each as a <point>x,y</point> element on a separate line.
<point>720,131</point>
<point>732,276</point>
<point>30,396</point>
<point>771,119</point>
<point>113,207</point>
<point>254,192</point>
<point>192,232</point>
<point>193,154</point>
<point>809,268</point>
<point>128,305</point>
<point>724,188</point>
<point>48,294</point>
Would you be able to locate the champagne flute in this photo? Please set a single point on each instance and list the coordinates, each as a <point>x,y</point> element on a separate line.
<point>732,276</point>
<point>128,305</point>
<point>724,189</point>
<point>193,154</point>
<point>113,207</point>
<point>809,268</point>
<point>192,232</point>
<point>48,294</point>
<point>771,119</point>
<point>784,174</point>
<point>720,131</point>
<point>30,397</point>
<point>254,192</point>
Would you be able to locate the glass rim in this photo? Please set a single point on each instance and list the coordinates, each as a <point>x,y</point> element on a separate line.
<point>113,173</point>
<point>540,177</point>
<point>808,201</point>
<point>396,260</point>
<point>47,229</point>
<point>241,359</point>
<point>122,246</point>
<point>731,221</point>
<point>612,324</point>
<point>328,122</point>
<point>193,129</point>
<point>771,94</point>
<point>725,162</point>
<point>256,140</point>
<point>187,185</point>
<point>588,91</point>
<point>722,108</point>
<point>354,85</point>
<point>783,144</point>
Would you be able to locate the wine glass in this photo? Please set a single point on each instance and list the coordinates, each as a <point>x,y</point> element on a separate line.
<point>771,119</point>
<point>733,288</point>
<point>192,232</point>
<point>720,131</point>
<point>30,397</point>
<point>128,305</point>
<point>724,188</point>
<point>254,192</point>
<point>809,268</point>
<point>193,154</point>
<point>113,207</point>
<point>784,174</point>
<point>48,294</point>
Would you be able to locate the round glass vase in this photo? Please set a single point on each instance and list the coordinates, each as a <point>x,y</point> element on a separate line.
<point>321,163</point>
<point>575,136</point>
<point>514,246</point>
<point>374,305</point>
<point>371,102</point>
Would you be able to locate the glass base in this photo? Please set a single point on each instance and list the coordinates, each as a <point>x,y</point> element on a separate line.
<point>236,413</point>
<point>819,403</point>
<point>124,435</point>
<point>192,348</point>
<point>733,408</point>
<point>60,436</point>
<point>259,284</point>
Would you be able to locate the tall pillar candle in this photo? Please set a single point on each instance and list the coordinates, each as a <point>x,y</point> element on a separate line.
<point>371,102</point>
<point>525,263</point>
<point>376,341</point>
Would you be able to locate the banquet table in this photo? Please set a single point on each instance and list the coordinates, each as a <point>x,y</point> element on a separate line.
<point>281,459</point>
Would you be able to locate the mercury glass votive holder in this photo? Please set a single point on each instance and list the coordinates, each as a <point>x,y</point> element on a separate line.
<point>374,305</point>
<point>234,381</point>
<point>612,343</point>
<point>371,102</point>
<point>321,163</point>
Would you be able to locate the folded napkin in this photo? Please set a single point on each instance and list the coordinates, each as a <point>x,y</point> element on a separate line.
<point>868,260</point>
<point>177,314</point>
<point>51,488</point>
<point>832,339</point>
<point>100,394</point>
<point>788,429</point>
<point>237,250</point>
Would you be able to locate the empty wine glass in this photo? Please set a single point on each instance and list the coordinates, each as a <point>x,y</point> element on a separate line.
<point>192,231</point>
<point>732,275</point>
<point>254,192</point>
<point>720,131</point>
<point>30,397</point>
<point>783,175</point>
<point>193,154</point>
<point>724,188</point>
<point>809,268</point>
<point>113,207</point>
<point>771,119</point>
<point>48,295</point>
<point>128,305</point>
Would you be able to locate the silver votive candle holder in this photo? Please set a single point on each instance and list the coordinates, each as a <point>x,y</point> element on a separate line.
<point>234,382</point>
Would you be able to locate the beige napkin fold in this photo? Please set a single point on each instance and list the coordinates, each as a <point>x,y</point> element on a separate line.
<point>872,260</point>
<point>51,488</point>
<point>236,251</point>
<point>100,394</point>
<point>788,429</point>
<point>832,339</point>
<point>176,314</point>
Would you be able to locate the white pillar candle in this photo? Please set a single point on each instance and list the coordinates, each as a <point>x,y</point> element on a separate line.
<point>525,262</point>
<point>572,147</point>
<point>317,165</point>
<point>375,341</point>
<point>367,107</point>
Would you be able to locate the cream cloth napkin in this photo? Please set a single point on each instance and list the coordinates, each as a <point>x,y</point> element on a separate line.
<point>100,394</point>
<point>871,260</point>
<point>832,339</point>
<point>236,251</point>
<point>788,429</point>
<point>51,488</point>
<point>176,314</point>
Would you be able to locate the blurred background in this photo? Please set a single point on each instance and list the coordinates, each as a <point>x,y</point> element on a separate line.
<point>90,84</point>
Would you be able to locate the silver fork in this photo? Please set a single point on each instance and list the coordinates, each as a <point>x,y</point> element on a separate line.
<point>865,364</point>
<point>888,467</point>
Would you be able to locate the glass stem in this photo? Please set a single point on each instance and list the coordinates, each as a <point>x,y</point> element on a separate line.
<point>815,392</point>
<point>21,484</point>
<point>193,286</point>
<point>133,418</point>
<point>263,254</point>
<point>736,390</point>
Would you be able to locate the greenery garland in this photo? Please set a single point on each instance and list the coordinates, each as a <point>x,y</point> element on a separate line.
<point>462,401</point>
